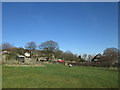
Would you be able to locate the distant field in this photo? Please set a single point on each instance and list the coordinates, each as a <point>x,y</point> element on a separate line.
<point>59,76</point>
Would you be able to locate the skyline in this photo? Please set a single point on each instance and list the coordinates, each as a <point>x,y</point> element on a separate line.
<point>78,27</point>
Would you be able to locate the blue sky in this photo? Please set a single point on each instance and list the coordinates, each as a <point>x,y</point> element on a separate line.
<point>79,27</point>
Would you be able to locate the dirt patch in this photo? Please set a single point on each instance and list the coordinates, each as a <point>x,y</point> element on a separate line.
<point>25,65</point>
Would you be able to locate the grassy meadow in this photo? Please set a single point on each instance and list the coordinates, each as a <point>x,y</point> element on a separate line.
<point>59,76</point>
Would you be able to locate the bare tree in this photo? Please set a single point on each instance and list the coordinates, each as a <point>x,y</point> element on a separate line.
<point>111,52</point>
<point>110,55</point>
<point>48,48</point>
<point>31,46</point>
<point>6,46</point>
<point>84,56</point>
<point>89,57</point>
<point>68,56</point>
<point>58,54</point>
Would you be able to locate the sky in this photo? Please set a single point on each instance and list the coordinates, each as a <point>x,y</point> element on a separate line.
<point>80,27</point>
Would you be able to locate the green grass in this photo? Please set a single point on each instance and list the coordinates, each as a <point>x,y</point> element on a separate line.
<point>59,76</point>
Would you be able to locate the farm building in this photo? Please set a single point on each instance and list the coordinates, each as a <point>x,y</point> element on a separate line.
<point>20,58</point>
<point>27,55</point>
<point>5,55</point>
<point>42,59</point>
<point>96,58</point>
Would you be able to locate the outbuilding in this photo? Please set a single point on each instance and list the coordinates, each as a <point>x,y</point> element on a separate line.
<point>20,58</point>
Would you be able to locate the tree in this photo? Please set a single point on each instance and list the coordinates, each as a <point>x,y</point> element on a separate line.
<point>48,48</point>
<point>79,56</point>
<point>89,57</point>
<point>81,59</point>
<point>6,46</point>
<point>21,50</point>
<point>58,54</point>
<point>111,52</point>
<point>110,56</point>
<point>68,56</point>
<point>84,56</point>
<point>76,58</point>
<point>31,46</point>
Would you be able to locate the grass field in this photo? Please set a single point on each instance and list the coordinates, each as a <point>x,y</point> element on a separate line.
<point>59,76</point>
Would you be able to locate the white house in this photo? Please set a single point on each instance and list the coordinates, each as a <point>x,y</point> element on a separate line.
<point>27,54</point>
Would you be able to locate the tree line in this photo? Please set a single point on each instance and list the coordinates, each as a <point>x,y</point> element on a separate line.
<point>50,48</point>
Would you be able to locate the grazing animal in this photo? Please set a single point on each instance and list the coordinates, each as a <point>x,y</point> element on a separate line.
<point>70,65</point>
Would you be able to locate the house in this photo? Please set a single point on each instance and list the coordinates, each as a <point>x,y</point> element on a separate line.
<point>20,58</point>
<point>42,59</point>
<point>27,54</point>
<point>5,52</point>
<point>96,58</point>
<point>5,55</point>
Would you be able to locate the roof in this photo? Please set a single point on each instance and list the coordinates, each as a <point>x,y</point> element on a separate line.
<point>21,56</point>
<point>27,54</point>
